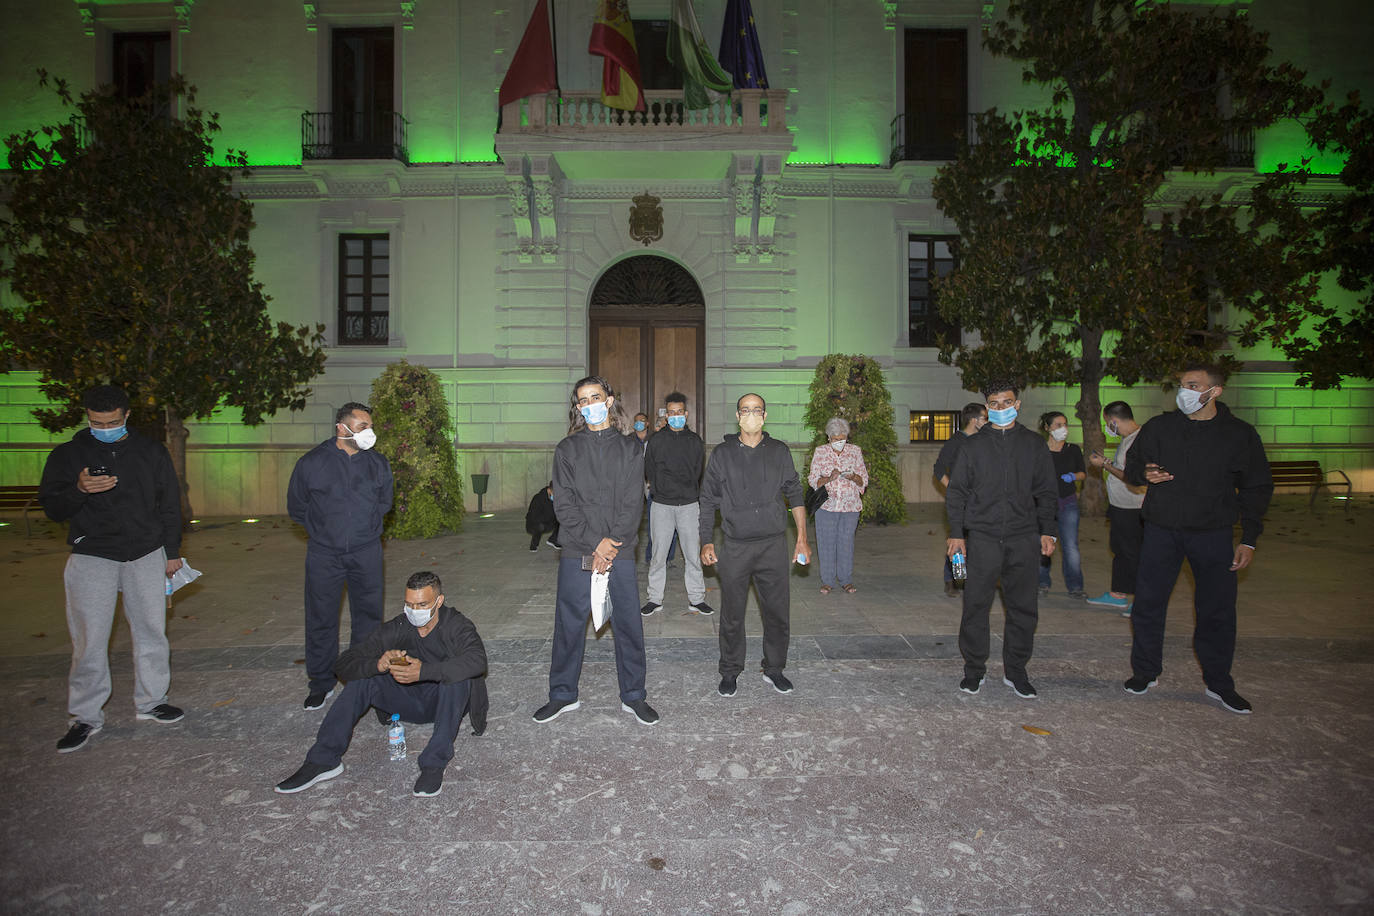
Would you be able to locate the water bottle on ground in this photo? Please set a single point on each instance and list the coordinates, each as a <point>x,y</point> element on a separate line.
<point>396,738</point>
<point>960,568</point>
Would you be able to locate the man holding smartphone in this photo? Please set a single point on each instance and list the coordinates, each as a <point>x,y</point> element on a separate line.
<point>118,494</point>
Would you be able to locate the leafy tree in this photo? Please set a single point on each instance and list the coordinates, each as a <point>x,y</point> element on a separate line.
<point>129,249</point>
<point>1092,243</point>
<point>1344,346</point>
<point>415,433</point>
<point>852,388</point>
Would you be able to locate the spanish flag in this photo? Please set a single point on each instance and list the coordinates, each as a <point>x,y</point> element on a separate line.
<point>613,38</point>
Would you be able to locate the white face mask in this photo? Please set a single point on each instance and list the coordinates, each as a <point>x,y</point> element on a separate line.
<point>1190,401</point>
<point>1111,429</point>
<point>419,616</point>
<point>838,445</point>
<point>1059,433</point>
<point>363,438</point>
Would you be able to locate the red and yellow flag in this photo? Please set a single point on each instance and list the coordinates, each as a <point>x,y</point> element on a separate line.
<point>613,38</point>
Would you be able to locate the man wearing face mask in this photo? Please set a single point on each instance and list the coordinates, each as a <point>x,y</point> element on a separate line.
<point>1003,493</point>
<point>747,479</point>
<point>1123,509</point>
<point>425,665</point>
<point>1205,469</point>
<point>340,491</point>
<point>672,465</point>
<point>119,496</point>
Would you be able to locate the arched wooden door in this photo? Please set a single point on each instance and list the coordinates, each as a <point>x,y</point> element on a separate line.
<point>647,335</point>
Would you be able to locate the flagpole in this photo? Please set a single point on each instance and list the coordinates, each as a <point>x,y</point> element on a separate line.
<point>557,86</point>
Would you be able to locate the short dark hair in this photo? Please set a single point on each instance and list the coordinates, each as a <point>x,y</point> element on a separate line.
<point>1001,384</point>
<point>1118,410</point>
<point>424,579</point>
<point>1048,416</point>
<point>972,411</point>
<point>1215,374</point>
<point>751,394</point>
<point>104,398</point>
<point>676,397</point>
<point>344,412</point>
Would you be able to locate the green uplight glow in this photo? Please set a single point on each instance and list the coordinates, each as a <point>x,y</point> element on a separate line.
<point>487,515</point>
<point>249,521</point>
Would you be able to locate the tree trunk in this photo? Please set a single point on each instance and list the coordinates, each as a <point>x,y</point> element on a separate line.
<point>1093,501</point>
<point>176,446</point>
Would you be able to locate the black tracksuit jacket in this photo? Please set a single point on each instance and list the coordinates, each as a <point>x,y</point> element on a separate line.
<point>1003,485</point>
<point>598,489</point>
<point>672,465</point>
<point>452,651</point>
<point>747,485</point>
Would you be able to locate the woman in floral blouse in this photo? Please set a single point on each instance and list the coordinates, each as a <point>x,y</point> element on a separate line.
<point>839,467</point>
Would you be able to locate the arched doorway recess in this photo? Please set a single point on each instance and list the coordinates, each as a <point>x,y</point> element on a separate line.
<point>647,320</point>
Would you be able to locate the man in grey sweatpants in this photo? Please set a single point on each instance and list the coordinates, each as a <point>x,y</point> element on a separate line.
<point>118,493</point>
<point>672,464</point>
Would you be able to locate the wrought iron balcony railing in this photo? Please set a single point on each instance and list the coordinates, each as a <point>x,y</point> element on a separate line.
<point>760,111</point>
<point>354,135</point>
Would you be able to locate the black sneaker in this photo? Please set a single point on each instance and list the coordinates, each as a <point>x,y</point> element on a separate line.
<point>479,730</point>
<point>1138,685</point>
<point>971,684</point>
<point>649,608</point>
<point>165,713</point>
<point>555,708</point>
<point>1022,687</point>
<point>554,544</point>
<point>534,548</point>
<point>316,698</point>
<point>1232,701</point>
<point>1079,595</point>
<point>779,681</point>
<point>307,776</point>
<point>76,737</point>
<point>642,710</point>
<point>728,686</point>
<point>704,609</point>
<point>429,783</point>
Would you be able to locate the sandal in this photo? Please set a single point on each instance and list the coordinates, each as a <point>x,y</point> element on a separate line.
<point>825,589</point>
<point>849,589</point>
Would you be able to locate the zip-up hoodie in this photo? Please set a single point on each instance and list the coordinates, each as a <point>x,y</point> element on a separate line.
<point>450,653</point>
<point>748,485</point>
<point>341,499</point>
<point>598,489</point>
<point>1003,485</point>
<point>672,464</point>
<point>1219,467</point>
<point>141,513</point>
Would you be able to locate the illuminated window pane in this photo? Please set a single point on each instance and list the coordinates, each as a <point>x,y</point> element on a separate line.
<point>933,425</point>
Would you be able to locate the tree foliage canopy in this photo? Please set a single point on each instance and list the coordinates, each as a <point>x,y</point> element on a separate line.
<point>415,433</point>
<point>852,388</point>
<point>129,249</point>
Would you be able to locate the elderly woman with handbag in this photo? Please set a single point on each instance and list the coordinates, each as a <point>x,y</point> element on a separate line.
<point>839,467</point>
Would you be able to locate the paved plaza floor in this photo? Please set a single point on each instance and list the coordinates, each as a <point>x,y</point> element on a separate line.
<point>876,787</point>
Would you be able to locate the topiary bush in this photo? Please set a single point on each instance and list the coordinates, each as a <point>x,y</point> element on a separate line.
<point>852,387</point>
<point>415,433</point>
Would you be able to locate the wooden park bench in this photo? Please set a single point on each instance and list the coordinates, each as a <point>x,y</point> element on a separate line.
<point>19,499</point>
<point>1308,474</point>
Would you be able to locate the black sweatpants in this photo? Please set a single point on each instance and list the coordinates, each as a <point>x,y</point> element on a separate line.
<point>426,701</point>
<point>326,574</point>
<point>1210,554</point>
<point>768,562</point>
<point>1016,562</point>
<point>1127,531</point>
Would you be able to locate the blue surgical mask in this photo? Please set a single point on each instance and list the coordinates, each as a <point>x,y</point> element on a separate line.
<point>677,422</point>
<point>639,426</point>
<point>595,413</point>
<point>1002,417</point>
<point>113,434</point>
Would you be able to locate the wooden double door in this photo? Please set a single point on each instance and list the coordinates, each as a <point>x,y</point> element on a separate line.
<point>647,353</point>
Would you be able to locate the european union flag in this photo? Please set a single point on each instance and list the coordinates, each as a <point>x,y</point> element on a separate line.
<point>740,54</point>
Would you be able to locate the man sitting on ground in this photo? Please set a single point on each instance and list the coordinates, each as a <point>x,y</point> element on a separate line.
<point>426,665</point>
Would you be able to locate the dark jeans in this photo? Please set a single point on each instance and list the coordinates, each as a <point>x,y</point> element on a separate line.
<point>1067,548</point>
<point>427,701</point>
<point>1209,553</point>
<point>768,562</point>
<point>1126,534</point>
<point>571,610</point>
<point>1016,562</point>
<point>326,574</point>
<point>553,535</point>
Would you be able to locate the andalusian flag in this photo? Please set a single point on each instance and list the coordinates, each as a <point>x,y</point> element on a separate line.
<point>613,38</point>
<point>687,51</point>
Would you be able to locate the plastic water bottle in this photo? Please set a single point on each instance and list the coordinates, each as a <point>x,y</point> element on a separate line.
<point>396,738</point>
<point>959,566</point>
<point>801,559</point>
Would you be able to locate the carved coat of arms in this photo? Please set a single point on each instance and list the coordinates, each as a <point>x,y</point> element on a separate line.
<point>646,219</point>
